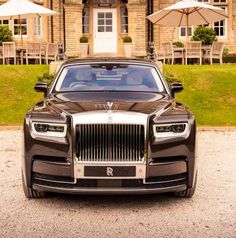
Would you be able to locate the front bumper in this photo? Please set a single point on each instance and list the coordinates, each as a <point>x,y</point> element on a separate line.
<point>159,184</point>
<point>109,191</point>
<point>62,175</point>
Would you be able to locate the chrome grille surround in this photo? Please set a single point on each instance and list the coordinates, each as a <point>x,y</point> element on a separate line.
<point>110,143</point>
<point>112,120</point>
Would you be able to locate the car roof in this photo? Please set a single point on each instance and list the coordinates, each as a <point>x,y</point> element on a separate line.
<point>108,60</point>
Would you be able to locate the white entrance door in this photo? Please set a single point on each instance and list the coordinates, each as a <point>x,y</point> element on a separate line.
<point>105,31</point>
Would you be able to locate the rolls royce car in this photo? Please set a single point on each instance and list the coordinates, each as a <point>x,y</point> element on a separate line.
<point>109,126</point>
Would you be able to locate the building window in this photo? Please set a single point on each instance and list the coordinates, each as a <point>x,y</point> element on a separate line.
<point>182,31</point>
<point>4,22</point>
<point>23,24</point>
<point>220,1</point>
<point>38,26</point>
<point>104,1</point>
<point>85,20</point>
<point>203,0</point>
<point>124,19</point>
<point>105,22</point>
<point>220,27</point>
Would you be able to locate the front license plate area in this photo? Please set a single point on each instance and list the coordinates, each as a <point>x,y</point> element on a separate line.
<point>110,171</point>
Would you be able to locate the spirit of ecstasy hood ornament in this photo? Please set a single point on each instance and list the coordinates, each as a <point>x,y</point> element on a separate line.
<point>109,105</point>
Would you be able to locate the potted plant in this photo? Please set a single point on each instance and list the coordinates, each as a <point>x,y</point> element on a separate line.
<point>128,46</point>
<point>84,46</point>
<point>205,34</point>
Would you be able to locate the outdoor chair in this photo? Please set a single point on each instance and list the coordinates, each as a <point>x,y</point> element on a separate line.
<point>33,51</point>
<point>1,58</point>
<point>8,52</point>
<point>51,52</point>
<point>193,51</point>
<point>216,52</point>
<point>170,55</point>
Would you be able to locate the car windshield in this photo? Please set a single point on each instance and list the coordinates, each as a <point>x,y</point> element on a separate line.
<point>109,77</point>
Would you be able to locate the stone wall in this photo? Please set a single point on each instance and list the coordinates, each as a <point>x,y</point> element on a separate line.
<point>232,46</point>
<point>73,23</point>
<point>137,25</point>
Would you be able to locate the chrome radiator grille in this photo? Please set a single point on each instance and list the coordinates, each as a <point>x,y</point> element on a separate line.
<point>110,143</point>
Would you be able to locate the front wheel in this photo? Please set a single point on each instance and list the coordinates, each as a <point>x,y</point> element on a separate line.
<point>30,192</point>
<point>189,192</point>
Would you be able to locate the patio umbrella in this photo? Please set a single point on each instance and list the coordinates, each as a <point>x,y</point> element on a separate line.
<point>188,13</point>
<point>23,8</point>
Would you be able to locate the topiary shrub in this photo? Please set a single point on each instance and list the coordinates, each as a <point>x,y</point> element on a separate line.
<point>83,39</point>
<point>5,34</point>
<point>127,39</point>
<point>205,34</point>
<point>178,44</point>
<point>225,51</point>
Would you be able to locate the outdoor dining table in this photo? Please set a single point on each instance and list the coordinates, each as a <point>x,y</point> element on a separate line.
<point>205,49</point>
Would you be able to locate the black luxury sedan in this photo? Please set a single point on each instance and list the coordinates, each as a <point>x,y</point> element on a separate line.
<point>109,126</point>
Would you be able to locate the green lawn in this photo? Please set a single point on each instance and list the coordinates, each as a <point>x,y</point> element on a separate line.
<point>17,94</point>
<point>210,92</point>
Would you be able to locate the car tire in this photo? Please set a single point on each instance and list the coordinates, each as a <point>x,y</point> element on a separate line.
<point>30,192</point>
<point>189,192</point>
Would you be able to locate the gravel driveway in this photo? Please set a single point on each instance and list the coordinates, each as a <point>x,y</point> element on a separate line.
<point>210,213</point>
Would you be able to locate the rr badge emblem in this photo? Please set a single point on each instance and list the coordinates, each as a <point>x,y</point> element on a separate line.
<point>110,172</point>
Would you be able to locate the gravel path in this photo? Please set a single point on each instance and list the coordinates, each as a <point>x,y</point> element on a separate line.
<point>210,213</point>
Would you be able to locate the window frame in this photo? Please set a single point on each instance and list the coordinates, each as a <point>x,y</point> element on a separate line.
<point>18,25</point>
<point>219,2</point>
<point>3,24</point>
<point>38,26</point>
<point>204,1</point>
<point>225,27</point>
<point>83,20</point>
<point>126,25</point>
<point>183,27</point>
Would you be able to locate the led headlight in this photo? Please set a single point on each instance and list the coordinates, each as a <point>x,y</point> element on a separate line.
<point>170,130</point>
<point>49,129</point>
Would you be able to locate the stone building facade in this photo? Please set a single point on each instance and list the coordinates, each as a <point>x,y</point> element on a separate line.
<point>106,22</point>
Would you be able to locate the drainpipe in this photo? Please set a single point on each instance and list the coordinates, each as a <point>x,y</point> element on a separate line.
<point>52,30</point>
<point>150,25</point>
<point>150,46</point>
<point>64,26</point>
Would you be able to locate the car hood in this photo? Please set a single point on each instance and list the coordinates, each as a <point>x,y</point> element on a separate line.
<point>120,101</point>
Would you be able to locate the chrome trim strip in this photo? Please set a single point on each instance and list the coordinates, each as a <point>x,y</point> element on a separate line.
<point>110,117</point>
<point>168,181</point>
<point>56,181</point>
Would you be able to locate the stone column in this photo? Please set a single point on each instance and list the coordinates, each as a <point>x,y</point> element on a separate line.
<point>73,26</point>
<point>137,26</point>
<point>232,27</point>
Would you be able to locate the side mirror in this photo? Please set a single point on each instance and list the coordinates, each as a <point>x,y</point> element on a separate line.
<point>176,87</point>
<point>41,87</point>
